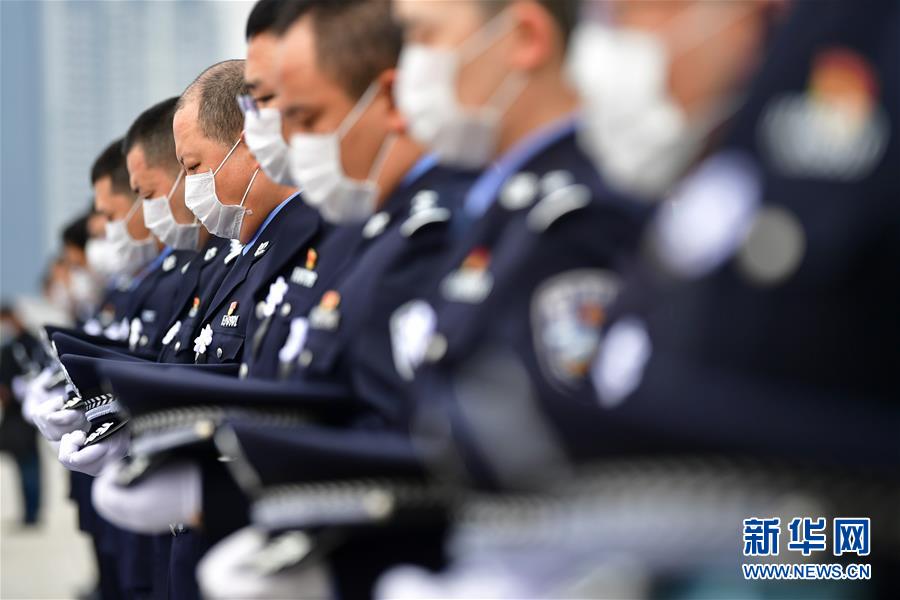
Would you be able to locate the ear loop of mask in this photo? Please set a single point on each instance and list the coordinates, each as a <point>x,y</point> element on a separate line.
<point>247,192</point>
<point>227,156</point>
<point>171,192</point>
<point>131,211</point>
<point>478,43</point>
<point>355,114</point>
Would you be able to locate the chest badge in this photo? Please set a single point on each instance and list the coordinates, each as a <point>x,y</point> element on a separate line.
<point>326,315</point>
<point>471,282</point>
<point>230,318</point>
<point>169,263</point>
<point>202,341</point>
<point>261,249</point>
<point>276,294</point>
<point>306,275</point>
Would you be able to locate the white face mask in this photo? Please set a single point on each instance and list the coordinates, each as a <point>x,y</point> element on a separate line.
<point>262,132</point>
<point>127,254</point>
<point>637,134</point>
<point>159,219</point>
<point>83,288</point>
<point>99,253</point>
<point>316,166</point>
<point>426,94</point>
<point>223,220</point>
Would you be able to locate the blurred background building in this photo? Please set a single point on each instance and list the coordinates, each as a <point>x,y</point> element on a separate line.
<point>74,76</point>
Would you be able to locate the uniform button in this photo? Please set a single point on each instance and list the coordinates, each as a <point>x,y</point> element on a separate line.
<point>177,346</point>
<point>305,358</point>
<point>285,309</point>
<point>242,373</point>
<point>261,310</point>
<point>437,348</point>
<point>219,352</point>
<point>144,340</point>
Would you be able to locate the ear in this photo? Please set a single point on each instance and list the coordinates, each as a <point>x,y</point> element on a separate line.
<point>244,147</point>
<point>536,37</point>
<point>395,121</point>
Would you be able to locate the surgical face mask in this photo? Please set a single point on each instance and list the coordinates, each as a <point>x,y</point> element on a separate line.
<point>159,219</point>
<point>316,166</point>
<point>128,254</point>
<point>262,132</point>
<point>460,136</point>
<point>640,138</point>
<point>83,289</point>
<point>100,257</point>
<point>223,220</point>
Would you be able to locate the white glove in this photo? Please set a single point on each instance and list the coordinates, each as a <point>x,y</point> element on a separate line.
<point>20,386</point>
<point>91,460</point>
<point>36,394</point>
<point>246,565</point>
<point>53,425</point>
<point>172,495</point>
<point>43,410</point>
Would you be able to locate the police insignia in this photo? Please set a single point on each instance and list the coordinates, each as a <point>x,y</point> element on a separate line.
<point>472,282</point>
<point>567,311</point>
<point>169,263</point>
<point>210,254</point>
<point>261,249</point>
<point>306,275</point>
<point>835,129</point>
<point>326,314</point>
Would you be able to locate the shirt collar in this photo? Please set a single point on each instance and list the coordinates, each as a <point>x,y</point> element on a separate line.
<point>422,166</point>
<point>483,192</point>
<point>268,220</point>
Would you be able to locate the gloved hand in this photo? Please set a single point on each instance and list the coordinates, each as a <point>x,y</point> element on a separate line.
<point>43,410</point>
<point>91,460</point>
<point>172,495</point>
<point>53,425</point>
<point>247,564</point>
<point>36,394</point>
<point>20,386</point>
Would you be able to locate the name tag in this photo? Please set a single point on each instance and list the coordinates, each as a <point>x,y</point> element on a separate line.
<point>304,277</point>
<point>230,320</point>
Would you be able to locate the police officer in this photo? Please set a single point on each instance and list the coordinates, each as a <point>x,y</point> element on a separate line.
<point>748,330</point>
<point>233,199</point>
<point>513,317</point>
